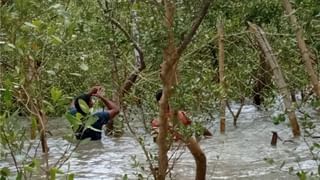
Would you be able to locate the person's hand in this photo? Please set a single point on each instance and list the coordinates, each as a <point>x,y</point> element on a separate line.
<point>96,90</point>
<point>98,95</point>
<point>93,90</point>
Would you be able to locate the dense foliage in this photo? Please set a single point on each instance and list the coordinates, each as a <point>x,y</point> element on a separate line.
<point>56,49</point>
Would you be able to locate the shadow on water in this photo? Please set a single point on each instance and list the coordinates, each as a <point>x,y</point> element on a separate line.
<point>242,153</point>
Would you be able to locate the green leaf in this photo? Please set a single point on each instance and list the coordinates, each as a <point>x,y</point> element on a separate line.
<point>56,40</point>
<point>19,176</point>
<point>125,177</point>
<point>11,45</point>
<point>79,116</point>
<point>30,25</point>
<point>73,120</point>
<point>51,72</point>
<point>83,105</point>
<point>7,97</point>
<point>90,121</point>
<point>316,145</point>
<point>53,172</point>
<point>84,67</point>
<point>282,117</point>
<point>5,171</point>
<point>21,5</point>
<point>20,51</point>
<point>37,23</point>
<point>75,74</point>
<point>302,175</point>
<point>28,168</point>
<point>56,94</point>
<point>70,176</point>
<point>34,164</point>
<point>290,170</point>
<point>55,6</point>
<point>269,160</point>
<point>279,118</point>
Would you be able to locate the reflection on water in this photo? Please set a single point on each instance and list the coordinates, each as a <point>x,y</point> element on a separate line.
<point>239,154</point>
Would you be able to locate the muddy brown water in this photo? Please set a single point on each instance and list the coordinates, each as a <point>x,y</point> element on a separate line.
<point>241,153</point>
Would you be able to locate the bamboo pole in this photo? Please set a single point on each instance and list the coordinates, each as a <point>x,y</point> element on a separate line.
<point>278,77</point>
<point>306,56</point>
<point>221,78</point>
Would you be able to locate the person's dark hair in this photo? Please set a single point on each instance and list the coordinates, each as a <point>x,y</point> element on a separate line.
<point>158,95</point>
<point>86,98</point>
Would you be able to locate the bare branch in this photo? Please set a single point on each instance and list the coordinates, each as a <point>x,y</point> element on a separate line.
<point>139,66</point>
<point>134,43</point>
<point>141,143</point>
<point>195,25</point>
<point>6,64</point>
<point>126,33</point>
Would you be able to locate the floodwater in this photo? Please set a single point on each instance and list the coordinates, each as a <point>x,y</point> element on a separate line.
<point>241,153</point>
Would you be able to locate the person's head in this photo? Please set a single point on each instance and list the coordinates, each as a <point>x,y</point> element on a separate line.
<point>158,95</point>
<point>86,98</point>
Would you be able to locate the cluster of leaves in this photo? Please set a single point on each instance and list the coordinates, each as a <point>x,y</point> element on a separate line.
<point>15,145</point>
<point>70,38</point>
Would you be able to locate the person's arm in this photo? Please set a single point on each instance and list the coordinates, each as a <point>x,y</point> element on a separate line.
<point>113,109</point>
<point>184,119</point>
<point>72,103</point>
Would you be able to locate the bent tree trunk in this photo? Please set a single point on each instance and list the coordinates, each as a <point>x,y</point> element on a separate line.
<point>306,56</point>
<point>200,158</point>
<point>171,56</point>
<point>278,77</point>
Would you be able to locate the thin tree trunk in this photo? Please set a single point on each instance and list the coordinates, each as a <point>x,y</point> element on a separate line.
<point>262,81</point>
<point>293,95</point>
<point>115,78</point>
<point>278,77</point>
<point>305,53</point>
<point>237,114</point>
<point>221,78</point>
<point>168,75</point>
<point>171,56</point>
